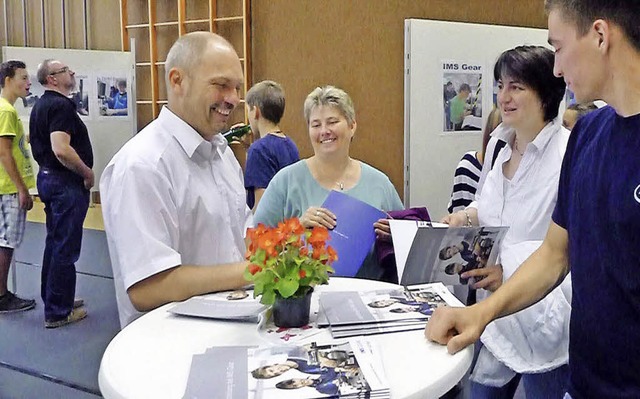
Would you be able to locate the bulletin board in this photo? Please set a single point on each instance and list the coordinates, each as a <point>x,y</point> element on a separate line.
<point>100,78</point>
<point>437,53</point>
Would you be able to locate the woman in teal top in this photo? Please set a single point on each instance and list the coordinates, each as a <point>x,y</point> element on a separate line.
<point>300,189</point>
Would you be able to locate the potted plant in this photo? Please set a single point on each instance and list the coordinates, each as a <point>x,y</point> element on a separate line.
<point>285,263</point>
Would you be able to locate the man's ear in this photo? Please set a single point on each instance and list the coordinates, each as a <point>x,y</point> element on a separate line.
<point>176,80</point>
<point>602,30</point>
<point>258,113</point>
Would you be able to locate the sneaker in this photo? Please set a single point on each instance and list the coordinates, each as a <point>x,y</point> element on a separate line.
<point>78,303</point>
<point>11,303</point>
<point>75,315</point>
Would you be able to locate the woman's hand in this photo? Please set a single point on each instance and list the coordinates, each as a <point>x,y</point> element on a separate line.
<point>382,229</point>
<point>457,219</point>
<point>315,216</point>
<point>489,278</point>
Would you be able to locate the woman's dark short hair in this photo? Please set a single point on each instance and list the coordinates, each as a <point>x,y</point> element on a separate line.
<point>533,67</point>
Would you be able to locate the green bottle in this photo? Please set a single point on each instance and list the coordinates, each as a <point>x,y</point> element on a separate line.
<point>236,132</point>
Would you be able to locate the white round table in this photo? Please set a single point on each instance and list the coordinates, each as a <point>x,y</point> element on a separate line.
<point>151,357</point>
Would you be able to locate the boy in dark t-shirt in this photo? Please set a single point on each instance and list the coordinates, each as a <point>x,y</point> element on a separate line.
<point>274,150</point>
<point>595,231</point>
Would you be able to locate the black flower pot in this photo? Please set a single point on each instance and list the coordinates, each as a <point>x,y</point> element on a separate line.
<point>292,312</point>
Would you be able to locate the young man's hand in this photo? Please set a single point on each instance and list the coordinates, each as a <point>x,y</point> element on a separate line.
<point>25,199</point>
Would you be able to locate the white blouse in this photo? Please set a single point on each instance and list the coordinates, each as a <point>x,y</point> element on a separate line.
<point>535,339</point>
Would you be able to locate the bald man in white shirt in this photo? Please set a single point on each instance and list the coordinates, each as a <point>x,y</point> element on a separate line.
<point>174,202</point>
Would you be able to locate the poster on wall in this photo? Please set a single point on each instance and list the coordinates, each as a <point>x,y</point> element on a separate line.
<point>80,95</point>
<point>112,96</point>
<point>25,105</point>
<point>462,96</point>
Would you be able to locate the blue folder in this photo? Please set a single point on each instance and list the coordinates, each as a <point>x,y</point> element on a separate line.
<point>353,236</point>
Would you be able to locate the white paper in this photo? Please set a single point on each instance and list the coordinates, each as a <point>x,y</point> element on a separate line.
<point>402,234</point>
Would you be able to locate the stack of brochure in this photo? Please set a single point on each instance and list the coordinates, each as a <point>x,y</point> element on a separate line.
<point>231,305</point>
<point>352,369</point>
<point>352,313</point>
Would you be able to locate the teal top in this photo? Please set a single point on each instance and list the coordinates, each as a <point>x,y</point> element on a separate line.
<point>293,190</point>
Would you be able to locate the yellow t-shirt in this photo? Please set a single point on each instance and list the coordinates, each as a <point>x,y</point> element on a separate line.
<point>11,126</point>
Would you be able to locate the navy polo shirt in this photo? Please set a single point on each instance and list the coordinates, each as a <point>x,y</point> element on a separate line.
<point>55,112</point>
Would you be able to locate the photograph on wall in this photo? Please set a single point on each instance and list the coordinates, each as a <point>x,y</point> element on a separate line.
<point>24,105</point>
<point>112,96</point>
<point>80,95</point>
<point>462,96</point>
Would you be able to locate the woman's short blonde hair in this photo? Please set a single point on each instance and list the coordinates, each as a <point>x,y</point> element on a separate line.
<point>330,95</point>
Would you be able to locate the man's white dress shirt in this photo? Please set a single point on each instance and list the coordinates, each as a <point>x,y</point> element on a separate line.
<point>170,198</point>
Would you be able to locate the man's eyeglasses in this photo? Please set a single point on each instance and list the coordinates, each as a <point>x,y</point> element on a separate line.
<point>63,70</point>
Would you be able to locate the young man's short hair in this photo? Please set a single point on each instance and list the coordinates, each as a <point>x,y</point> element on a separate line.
<point>8,70</point>
<point>465,87</point>
<point>268,96</point>
<point>623,13</point>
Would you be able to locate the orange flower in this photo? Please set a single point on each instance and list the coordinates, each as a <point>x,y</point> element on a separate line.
<point>318,252</point>
<point>267,242</point>
<point>302,273</point>
<point>294,226</point>
<point>253,269</point>
<point>319,235</point>
<point>333,255</point>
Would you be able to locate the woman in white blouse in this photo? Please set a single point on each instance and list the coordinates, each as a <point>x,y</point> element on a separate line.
<point>520,191</point>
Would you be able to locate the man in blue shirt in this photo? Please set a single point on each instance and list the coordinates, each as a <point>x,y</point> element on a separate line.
<point>595,232</point>
<point>119,99</point>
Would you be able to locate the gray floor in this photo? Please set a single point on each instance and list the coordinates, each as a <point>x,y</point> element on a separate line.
<point>61,363</point>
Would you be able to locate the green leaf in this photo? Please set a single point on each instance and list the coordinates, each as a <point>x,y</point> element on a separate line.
<point>268,298</point>
<point>288,287</point>
<point>258,288</point>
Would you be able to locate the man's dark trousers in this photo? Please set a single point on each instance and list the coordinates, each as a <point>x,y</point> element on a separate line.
<point>66,203</point>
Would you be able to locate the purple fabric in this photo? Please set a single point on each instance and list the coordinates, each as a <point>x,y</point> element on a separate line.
<point>384,249</point>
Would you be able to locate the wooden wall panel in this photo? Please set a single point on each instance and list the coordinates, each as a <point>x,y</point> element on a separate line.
<point>103,24</point>
<point>355,44</point>
<point>358,45</point>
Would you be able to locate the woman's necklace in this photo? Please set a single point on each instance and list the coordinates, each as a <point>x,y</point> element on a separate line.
<point>340,183</point>
<point>515,145</point>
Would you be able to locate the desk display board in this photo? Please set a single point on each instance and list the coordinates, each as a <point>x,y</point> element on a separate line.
<point>442,60</point>
<point>104,95</point>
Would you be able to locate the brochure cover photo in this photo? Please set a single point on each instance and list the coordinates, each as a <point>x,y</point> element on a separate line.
<point>349,369</point>
<point>444,253</point>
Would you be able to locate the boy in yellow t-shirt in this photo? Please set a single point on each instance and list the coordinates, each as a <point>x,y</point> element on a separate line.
<point>16,178</point>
